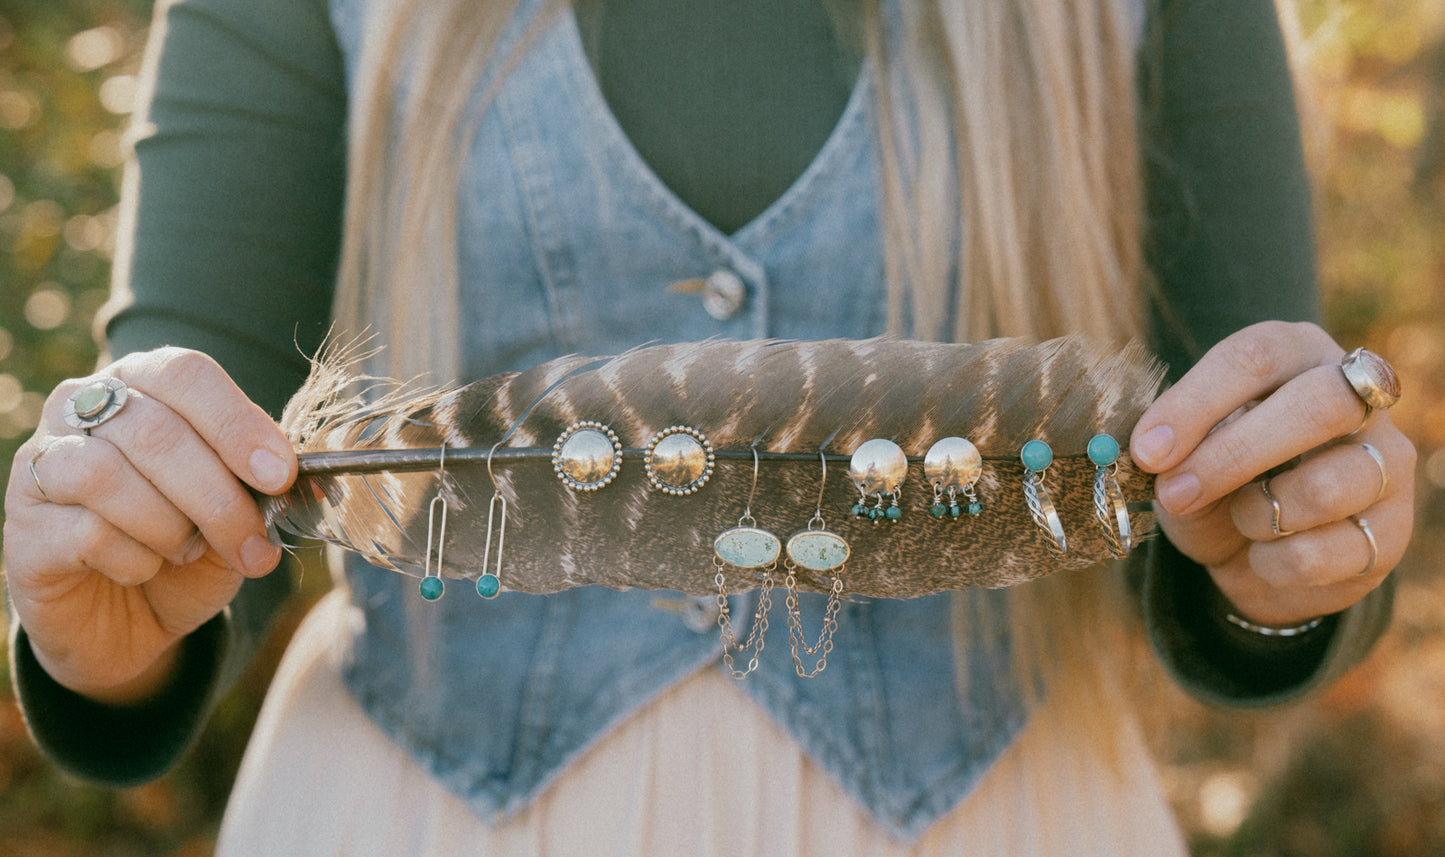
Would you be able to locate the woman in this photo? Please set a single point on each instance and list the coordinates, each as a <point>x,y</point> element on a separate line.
<point>521,183</point>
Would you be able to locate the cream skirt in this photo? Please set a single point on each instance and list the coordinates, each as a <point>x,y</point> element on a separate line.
<point>320,779</point>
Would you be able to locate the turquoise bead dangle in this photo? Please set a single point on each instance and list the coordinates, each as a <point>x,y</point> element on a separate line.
<point>953,466</point>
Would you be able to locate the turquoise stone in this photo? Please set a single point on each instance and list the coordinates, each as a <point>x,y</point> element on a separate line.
<point>488,586</point>
<point>747,547</point>
<point>1037,455</point>
<point>818,550</point>
<point>431,588</point>
<point>860,510</point>
<point>894,513</point>
<point>938,510</point>
<point>1103,450</point>
<point>875,514</point>
<point>955,511</point>
<point>975,509</point>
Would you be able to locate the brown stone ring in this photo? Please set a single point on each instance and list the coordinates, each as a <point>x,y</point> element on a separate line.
<point>94,403</point>
<point>1372,378</point>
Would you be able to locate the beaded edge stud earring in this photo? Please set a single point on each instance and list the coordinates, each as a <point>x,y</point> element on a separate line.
<point>679,460</point>
<point>587,456</point>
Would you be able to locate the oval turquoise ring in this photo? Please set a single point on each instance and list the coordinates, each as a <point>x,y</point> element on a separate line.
<point>94,403</point>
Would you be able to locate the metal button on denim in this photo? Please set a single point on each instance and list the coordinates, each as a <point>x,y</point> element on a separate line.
<point>724,294</point>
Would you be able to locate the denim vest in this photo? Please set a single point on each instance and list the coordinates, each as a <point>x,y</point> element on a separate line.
<point>568,244</point>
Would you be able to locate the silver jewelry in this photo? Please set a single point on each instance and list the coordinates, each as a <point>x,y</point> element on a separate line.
<point>1109,506</point>
<point>953,466</point>
<point>745,546</point>
<point>678,460</point>
<point>878,468</point>
<point>489,584</point>
<point>1279,531</point>
<point>35,475</point>
<point>1372,378</point>
<point>1037,456</point>
<point>94,403</point>
<point>816,549</point>
<point>1273,630</point>
<point>1380,463</point>
<point>432,586</point>
<point>587,456</point>
<point>1364,526</point>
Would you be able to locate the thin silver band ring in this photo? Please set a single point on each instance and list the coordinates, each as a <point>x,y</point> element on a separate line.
<point>1380,463</point>
<point>1279,532</point>
<point>34,474</point>
<point>1364,526</point>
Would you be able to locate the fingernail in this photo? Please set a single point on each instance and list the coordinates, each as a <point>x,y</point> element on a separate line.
<point>268,471</point>
<point>258,555</point>
<point>1178,494</point>
<point>1152,449</point>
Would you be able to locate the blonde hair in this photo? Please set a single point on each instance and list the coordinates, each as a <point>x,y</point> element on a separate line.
<point>1012,204</point>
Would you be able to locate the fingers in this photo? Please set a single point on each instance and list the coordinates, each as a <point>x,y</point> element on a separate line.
<point>1345,479</point>
<point>200,392</point>
<point>1300,400</point>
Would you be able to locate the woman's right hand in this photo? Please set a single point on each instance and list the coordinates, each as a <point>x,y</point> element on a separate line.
<point>127,539</point>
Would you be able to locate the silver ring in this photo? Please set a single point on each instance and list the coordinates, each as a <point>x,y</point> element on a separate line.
<point>1372,378</point>
<point>33,461</point>
<point>1274,512</point>
<point>1380,463</point>
<point>1364,526</point>
<point>94,403</point>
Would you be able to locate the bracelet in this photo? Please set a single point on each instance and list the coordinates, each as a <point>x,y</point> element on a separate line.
<point>1271,630</point>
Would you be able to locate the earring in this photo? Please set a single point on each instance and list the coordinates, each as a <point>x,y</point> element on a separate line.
<point>816,549</point>
<point>432,586</point>
<point>953,465</point>
<point>678,460</point>
<point>1037,456</point>
<point>489,585</point>
<point>587,456</point>
<point>878,468</point>
<point>1109,506</point>
<point>746,546</point>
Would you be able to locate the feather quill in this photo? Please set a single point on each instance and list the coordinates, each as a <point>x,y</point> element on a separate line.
<point>371,459</point>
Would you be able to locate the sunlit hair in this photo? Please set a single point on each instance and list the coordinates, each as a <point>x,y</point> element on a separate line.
<point>1012,203</point>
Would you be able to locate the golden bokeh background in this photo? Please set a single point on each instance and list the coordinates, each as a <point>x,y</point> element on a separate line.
<point>1358,769</point>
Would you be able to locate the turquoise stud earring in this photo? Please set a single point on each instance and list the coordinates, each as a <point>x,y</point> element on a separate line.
<point>1109,506</point>
<point>1037,456</point>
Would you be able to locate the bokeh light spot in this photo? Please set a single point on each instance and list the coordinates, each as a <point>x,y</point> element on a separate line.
<point>117,94</point>
<point>47,309</point>
<point>10,392</point>
<point>90,49</point>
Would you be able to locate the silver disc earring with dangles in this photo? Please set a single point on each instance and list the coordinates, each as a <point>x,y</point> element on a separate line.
<point>818,550</point>
<point>953,466</point>
<point>750,547</point>
<point>1109,505</point>
<point>1037,456</point>
<point>878,468</point>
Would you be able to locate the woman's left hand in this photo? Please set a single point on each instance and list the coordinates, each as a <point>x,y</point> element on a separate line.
<point>1272,399</point>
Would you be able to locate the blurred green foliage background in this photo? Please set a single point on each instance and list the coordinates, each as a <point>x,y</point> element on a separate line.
<point>1356,770</point>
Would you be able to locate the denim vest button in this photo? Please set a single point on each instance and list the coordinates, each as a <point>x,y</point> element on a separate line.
<point>724,294</point>
<point>698,614</point>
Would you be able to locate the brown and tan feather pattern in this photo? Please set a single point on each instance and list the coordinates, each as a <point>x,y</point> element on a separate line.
<point>784,398</point>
